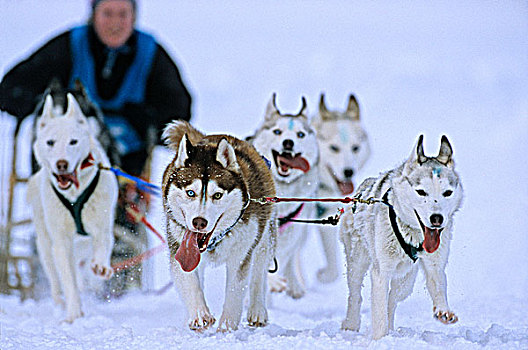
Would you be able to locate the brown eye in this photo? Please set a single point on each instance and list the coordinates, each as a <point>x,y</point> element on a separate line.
<point>50,143</point>
<point>447,193</point>
<point>217,195</point>
<point>334,148</point>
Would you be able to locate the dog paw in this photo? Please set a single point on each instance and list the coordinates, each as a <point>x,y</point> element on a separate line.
<point>327,275</point>
<point>73,315</point>
<point>295,292</point>
<point>276,283</point>
<point>350,325</point>
<point>257,317</point>
<point>228,323</point>
<point>446,317</point>
<point>100,270</point>
<point>202,321</point>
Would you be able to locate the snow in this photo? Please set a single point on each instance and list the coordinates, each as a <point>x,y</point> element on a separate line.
<point>458,68</point>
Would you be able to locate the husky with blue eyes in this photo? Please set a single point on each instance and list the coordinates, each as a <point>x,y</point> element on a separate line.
<point>211,218</point>
<point>289,142</point>
<point>410,229</point>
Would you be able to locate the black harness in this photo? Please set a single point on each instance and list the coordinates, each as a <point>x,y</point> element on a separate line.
<point>284,220</point>
<point>409,249</point>
<point>76,208</point>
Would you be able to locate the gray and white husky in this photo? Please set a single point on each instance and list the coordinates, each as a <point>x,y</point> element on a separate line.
<point>410,229</point>
<point>344,148</point>
<point>71,197</point>
<point>289,142</point>
<point>210,217</point>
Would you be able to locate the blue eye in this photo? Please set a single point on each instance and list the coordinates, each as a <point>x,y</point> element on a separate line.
<point>301,134</point>
<point>277,131</point>
<point>191,193</point>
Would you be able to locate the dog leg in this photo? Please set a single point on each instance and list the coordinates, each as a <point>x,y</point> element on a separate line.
<point>65,263</point>
<point>292,273</point>
<point>379,299</point>
<point>357,264</point>
<point>257,315</point>
<point>237,269</point>
<point>188,285</point>
<point>400,289</point>
<point>329,240</point>
<point>44,242</point>
<point>436,282</point>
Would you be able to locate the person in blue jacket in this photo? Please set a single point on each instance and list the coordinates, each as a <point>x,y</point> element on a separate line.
<point>125,71</point>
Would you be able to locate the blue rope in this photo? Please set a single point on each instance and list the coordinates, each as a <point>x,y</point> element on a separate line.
<point>141,184</point>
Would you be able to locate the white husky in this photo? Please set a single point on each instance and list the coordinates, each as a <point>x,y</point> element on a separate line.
<point>71,197</point>
<point>410,229</point>
<point>344,148</point>
<point>290,144</point>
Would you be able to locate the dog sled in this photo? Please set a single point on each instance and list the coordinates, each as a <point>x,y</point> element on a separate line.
<point>20,270</point>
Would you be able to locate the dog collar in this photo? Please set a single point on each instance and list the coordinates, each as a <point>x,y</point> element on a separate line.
<point>76,208</point>
<point>409,249</point>
<point>217,239</point>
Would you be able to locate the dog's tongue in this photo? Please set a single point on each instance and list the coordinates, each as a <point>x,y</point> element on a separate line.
<point>188,254</point>
<point>64,179</point>
<point>346,187</point>
<point>432,239</point>
<point>296,162</point>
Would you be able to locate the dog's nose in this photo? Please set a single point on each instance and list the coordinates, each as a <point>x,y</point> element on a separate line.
<point>287,144</point>
<point>436,219</point>
<point>62,165</point>
<point>348,172</point>
<point>199,223</point>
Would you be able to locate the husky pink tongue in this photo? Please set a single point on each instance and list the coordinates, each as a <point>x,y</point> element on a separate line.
<point>297,162</point>
<point>65,179</point>
<point>346,187</point>
<point>188,254</point>
<point>432,239</point>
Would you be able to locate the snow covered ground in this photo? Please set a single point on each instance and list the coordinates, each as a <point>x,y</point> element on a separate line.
<point>435,67</point>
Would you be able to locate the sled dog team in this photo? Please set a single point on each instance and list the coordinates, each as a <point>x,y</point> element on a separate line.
<point>211,191</point>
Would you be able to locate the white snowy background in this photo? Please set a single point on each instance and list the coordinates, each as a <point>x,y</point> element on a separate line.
<point>458,68</point>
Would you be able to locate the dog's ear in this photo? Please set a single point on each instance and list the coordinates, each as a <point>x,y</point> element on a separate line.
<point>303,111</point>
<point>323,111</point>
<point>446,152</point>
<point>74,111</point>
<point>47,112</point>
<point>352,110</point>
<point>226,156</point>
<point>417,154</point>
<point>271,108</point>
<point>183,147</point>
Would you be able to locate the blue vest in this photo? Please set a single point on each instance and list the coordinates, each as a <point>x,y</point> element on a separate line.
<point>132,89</point>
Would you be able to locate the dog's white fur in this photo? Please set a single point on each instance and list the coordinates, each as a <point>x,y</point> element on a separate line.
<point>344,149</point>
<point>422,188</point>
<point>271,136</point>
<point>68,138</point>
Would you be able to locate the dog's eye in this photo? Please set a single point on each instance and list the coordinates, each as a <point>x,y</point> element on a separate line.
<point>301,134</point>
<point>334,148</point>
<point>447,193</point>
<point>277,131</point>
<point>355,148</point>
<point>50,143</point>
<point>191,193</point>
<point>73,142</point>
<point>421,193</point>
<point>217,195</point>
